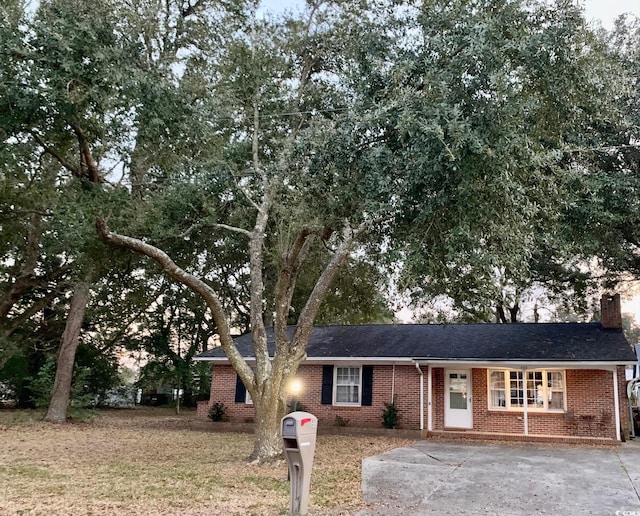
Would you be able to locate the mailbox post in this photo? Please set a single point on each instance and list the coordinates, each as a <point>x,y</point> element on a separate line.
<point>299,431</point>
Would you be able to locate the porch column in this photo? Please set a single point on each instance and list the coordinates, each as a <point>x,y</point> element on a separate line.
<point>421,396</point>
<point>429,404</point>
<point>616,403</point>
<point>525,412</point>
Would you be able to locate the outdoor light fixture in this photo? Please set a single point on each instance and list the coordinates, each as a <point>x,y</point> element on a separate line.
<point>295,388</point>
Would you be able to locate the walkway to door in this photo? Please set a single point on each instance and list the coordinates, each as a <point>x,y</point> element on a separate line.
<point>436,477</point>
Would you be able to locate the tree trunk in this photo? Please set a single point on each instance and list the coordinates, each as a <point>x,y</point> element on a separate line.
<point>267,442</point>
<point>267,385</point>
<point>61,393</point>
<point>513,312</point>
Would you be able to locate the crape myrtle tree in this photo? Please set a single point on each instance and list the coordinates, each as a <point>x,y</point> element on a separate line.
<point>514,108</point>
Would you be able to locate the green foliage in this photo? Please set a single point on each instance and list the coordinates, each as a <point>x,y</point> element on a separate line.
<point>497,135</point>
<point>390,415</point>
<point>492,150</point>
<point>217,412</point>
<point>357,297</point>
<point>94,374</point>
<point>31,381</point>
<point>42,384</point>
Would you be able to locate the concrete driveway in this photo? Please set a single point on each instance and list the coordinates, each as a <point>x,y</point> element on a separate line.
<point>438,477</point>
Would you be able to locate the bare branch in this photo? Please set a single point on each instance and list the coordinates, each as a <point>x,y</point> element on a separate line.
<point>190,281</point>
<point>49,150</point>
<point>289,275</point>
<point>86,157</point>
<point>247,195</point>
<point>308,314</point>
<point>234,229</point>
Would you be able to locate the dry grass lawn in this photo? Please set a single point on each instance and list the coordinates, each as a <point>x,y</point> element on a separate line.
<point>150,461</point>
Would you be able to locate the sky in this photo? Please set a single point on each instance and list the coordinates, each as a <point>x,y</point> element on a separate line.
<point>604,11</point>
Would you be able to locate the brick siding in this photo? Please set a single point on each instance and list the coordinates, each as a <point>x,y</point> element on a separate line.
<point>404,385</point>
<point>590,407</point>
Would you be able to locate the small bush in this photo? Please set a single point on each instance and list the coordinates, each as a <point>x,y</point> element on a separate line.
<point>297,406</point>
<point>341,421</point>
<point>390,416</point>
<point>218,412</point>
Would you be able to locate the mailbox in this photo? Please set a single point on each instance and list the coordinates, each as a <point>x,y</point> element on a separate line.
<point>299,431</point>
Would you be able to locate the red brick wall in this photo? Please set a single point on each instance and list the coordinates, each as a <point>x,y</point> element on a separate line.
<point>590,407</point>
<point>223,389</point>
<point>437,398</point>
<point>406,391</point>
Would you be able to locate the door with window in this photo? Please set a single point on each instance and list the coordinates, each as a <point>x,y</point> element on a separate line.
<point>457,399</point>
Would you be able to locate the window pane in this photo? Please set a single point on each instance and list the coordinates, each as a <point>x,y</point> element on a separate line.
<point>497,395</point>
<point>457,400</point>
<point>497,398</point>
<point>555,380</point>
<point>539,389</point>
<point>342,394</point>
<point>555,383</point>
<point>516,386</point>
<point>348,385</point>
<point>497,379</point>
<point>535,389</point>
<point>457,390</point>
<point>347,394</point>
<point>556,400</point>
<point>457,384</point>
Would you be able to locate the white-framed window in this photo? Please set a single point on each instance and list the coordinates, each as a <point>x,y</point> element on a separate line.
<point>347,385</point>
<point>541,389</point>
<point>247,398</point>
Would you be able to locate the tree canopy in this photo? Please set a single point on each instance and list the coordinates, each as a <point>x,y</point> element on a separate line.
<point>284,169</point>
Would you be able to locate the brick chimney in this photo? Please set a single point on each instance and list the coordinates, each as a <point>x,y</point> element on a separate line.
<point>610,311</point>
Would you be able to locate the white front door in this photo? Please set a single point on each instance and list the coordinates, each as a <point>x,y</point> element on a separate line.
<point>457,399</point>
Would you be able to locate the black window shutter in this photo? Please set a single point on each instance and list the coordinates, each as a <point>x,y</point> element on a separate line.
<point>367,384</point>
<point>241,391</point>
<point>327,385</point>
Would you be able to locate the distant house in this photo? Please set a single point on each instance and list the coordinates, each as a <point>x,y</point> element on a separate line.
<point>552,381</point>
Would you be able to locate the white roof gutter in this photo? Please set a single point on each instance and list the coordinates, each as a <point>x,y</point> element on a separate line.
<point>571,364</point>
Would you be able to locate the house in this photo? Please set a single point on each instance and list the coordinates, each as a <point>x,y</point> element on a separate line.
<point>551,381</point>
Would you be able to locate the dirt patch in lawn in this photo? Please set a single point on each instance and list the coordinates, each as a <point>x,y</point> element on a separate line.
<point>152,461</point>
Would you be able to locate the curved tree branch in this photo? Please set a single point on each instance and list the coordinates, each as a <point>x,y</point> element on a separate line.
<point>190,281</point>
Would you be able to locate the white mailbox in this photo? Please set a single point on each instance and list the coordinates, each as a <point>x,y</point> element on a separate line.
<point>299,430</point>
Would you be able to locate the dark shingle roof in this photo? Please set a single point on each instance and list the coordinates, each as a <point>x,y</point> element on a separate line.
<point>482,342</point>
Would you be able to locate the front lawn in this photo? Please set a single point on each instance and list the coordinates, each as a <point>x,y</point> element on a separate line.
<point>150,461</point>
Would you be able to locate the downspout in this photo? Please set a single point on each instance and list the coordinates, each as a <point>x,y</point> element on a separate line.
<point>525,401</point>
<point>631,387</point>
<point>616,403</point>
<point>421,396</point>
<point>393,383</point>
